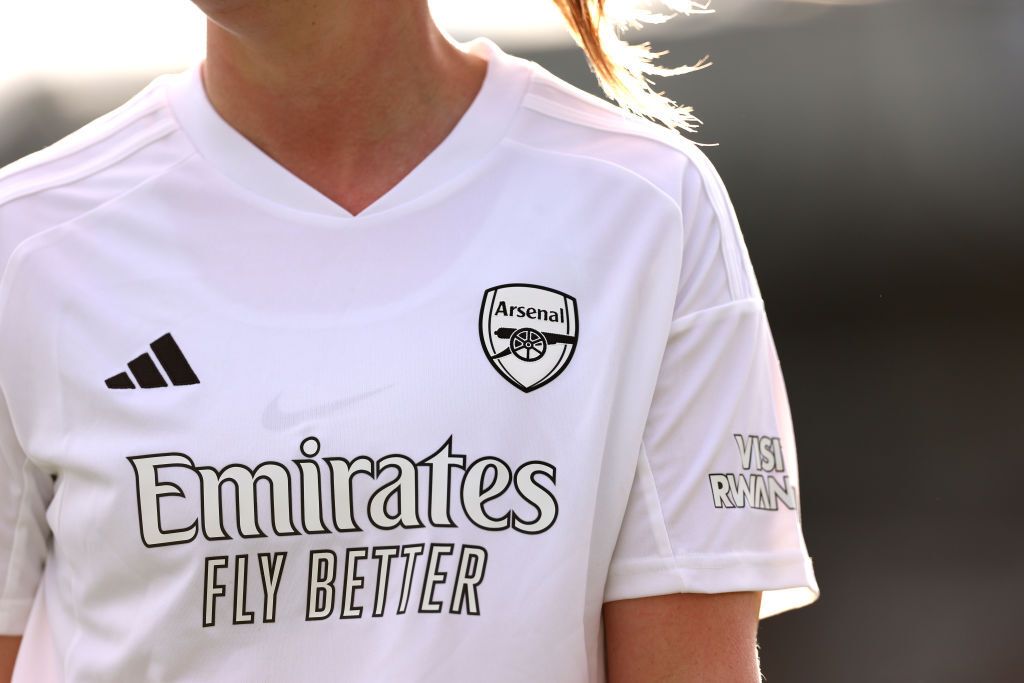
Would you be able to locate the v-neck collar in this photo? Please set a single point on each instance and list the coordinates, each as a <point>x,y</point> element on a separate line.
<point>480,128</point>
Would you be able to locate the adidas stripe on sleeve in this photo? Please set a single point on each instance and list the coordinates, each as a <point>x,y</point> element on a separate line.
<point>714,505</point>
<point>26,491</point>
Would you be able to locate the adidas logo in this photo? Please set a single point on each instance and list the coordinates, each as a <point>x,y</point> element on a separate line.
<point>145,371</point>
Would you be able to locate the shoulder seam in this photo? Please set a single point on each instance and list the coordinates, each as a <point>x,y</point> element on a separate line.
<point>134,144</point>
<point>17,255</point>
<point>106,126</point>
<point>733,252</point>
<point>731,245</point>
<point>542,105</point>
<point>749,304</point>
<point>674,201</point>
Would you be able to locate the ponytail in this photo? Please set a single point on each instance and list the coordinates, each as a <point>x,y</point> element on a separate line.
<point>623,70</point>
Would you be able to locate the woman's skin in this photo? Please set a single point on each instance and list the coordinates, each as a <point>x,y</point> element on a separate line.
<point>350,96</point>
<point>8,651</point>
<point>683,637</point>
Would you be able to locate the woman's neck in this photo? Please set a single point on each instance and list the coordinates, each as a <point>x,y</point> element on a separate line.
<point>348,95</point>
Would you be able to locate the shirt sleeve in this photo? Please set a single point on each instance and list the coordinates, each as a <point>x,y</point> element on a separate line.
<point>25,492</point>
<point>714,505</point>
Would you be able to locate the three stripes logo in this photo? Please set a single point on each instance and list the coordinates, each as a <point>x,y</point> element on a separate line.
<point>144,369</point>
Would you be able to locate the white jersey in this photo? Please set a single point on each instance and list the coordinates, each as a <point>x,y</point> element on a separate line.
<point>246,435</point>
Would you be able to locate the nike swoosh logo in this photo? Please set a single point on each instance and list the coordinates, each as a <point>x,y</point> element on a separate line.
<point>276,419</point>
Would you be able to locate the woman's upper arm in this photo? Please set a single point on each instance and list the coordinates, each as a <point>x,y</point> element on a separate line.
<point>8,652</point>
<point>683,637</point>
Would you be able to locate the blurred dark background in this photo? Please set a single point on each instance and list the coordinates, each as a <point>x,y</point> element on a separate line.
<point>875,157</point>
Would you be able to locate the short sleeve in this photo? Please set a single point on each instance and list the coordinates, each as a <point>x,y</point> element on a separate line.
<point>714,505</point>
<point>25,492</point>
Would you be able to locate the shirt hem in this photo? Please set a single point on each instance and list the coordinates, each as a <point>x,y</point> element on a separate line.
<point>14,616</point>
<point>786,580</point>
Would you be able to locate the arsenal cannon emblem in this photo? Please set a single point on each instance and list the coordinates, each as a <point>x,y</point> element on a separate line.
<point>528,332</point>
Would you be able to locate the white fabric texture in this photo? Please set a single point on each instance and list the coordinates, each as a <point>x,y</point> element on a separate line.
<point>247,435</point>
<point>720,384</point>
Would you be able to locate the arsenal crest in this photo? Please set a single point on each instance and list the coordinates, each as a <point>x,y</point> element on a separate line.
<point>528,332</point>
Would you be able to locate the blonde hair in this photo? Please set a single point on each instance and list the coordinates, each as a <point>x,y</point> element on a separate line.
<point>624,70</point>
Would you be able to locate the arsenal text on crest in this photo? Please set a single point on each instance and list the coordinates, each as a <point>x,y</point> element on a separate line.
<point>503,308</point>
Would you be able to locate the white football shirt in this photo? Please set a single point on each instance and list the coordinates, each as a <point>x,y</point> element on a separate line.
<point>246,435</point>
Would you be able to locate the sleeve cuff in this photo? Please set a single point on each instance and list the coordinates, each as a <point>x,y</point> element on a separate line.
<point>786,580</point>
<point>14,616</point>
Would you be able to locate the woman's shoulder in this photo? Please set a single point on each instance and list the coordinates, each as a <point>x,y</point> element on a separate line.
<point>87,168</point>
<point>561,118</point>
